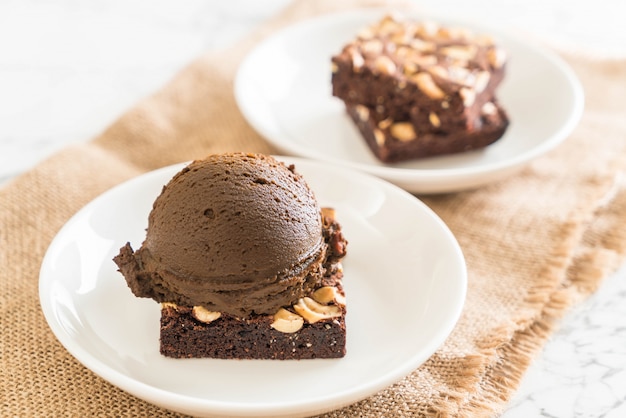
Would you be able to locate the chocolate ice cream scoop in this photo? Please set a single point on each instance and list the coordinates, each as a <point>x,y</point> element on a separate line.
<point>235,233</point>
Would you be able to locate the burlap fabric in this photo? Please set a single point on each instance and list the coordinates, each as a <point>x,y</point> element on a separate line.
<point>535,243</point>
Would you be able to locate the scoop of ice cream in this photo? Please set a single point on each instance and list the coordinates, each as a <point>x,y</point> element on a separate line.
<point>235,233</point>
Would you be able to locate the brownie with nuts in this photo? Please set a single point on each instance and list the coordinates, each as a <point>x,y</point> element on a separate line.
<point>185,333</point>
<point>244,261</point>
<point>437,78</point>
<point>392,141</point>
<point>313,327</point>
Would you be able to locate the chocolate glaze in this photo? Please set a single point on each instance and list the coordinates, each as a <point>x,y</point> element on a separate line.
<point>236,233</point>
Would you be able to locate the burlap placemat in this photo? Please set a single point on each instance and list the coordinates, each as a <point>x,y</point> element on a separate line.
<point>535,243</point>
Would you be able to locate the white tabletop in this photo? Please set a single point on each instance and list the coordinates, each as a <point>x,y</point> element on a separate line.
<point>68,69</point>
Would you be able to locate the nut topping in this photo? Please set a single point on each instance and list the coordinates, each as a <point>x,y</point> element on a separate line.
<point>439,71</point>
<point>385,65</point>
<point>423,60</point>
<point>459,75</point>
<point>403,51</point>
<point>496,57</point>
<point>385,123</point>
<point>313,311</point>
<point>409,68</point>
<point>388,26</point>
<point>363,112</point>
<point>202,314</point>
<point>400,37</point>
<point>459,52</point>
<point>379,136</point>
<point>286,321</point>
<point>489,109</point>
<point>373,46</point>
<point>422,45</point>
<point>434,119</point>
<point>357,60</point>
<point>426,84</point>
<point>403,131</point>
<point>455,33</point>
<point>427,29</point>
<point>481,81</point>
<point>328,294</point>
<point>468,96</point>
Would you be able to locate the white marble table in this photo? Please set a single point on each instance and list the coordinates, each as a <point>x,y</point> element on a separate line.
<point>68,69</point>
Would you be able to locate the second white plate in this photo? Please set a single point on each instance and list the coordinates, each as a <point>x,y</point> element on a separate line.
<point>405,280</point>
<point>283,89</point>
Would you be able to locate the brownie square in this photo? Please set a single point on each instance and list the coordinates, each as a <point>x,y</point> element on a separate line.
<point>393,141</point>
<point>184,334</point>
<point>396,65</point>
<point>438,79</point>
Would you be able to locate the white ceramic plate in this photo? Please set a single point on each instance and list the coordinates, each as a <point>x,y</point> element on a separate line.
<point>405,280</point>
<point>283,89</point>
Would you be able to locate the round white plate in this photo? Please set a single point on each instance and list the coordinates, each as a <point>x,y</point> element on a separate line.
<point>405,280</point>
<point>283,89</point>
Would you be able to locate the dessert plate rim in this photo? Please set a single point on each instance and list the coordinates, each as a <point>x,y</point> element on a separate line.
<point>86,302</point>
<point>290,104</point>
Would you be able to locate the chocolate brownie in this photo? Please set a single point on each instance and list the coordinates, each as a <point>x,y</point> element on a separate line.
<point>393,141</point>
<point>314,327</point>
<point>404,70</point>
<point>417,89</point>
<point>228,337</point>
